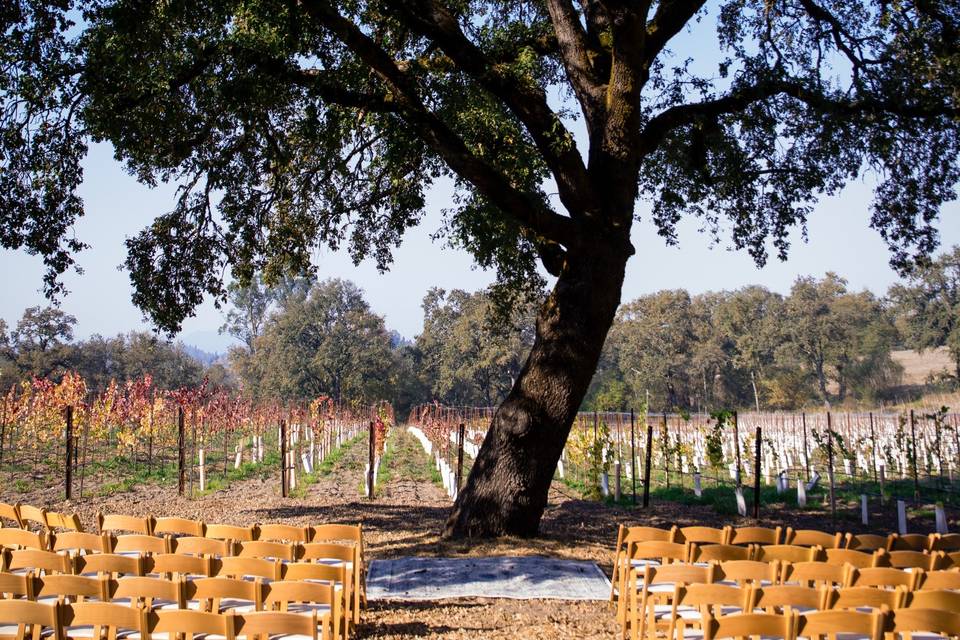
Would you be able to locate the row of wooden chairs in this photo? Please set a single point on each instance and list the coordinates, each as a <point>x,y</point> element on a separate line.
<point>175,566</point>
<point>805,574</point>
<point>88,543</point>
<point>110,621</point>
<point>948,544</point>
<point>319,586</point>
<point>713,606</point>
<point>23,516</point>
<point>655,596</point>
<point>148,535</point>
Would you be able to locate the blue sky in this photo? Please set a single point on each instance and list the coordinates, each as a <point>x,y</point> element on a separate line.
<point>118,207</point>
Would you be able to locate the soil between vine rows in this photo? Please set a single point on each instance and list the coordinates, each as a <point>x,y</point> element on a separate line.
<point>405,519</point>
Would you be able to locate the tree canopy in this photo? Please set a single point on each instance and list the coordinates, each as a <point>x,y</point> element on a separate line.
<point>290,125</point>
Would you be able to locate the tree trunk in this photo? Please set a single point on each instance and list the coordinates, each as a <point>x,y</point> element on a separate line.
<point>506,491</point>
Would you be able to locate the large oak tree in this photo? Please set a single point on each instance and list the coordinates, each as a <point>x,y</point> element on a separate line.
<point>291,123</point>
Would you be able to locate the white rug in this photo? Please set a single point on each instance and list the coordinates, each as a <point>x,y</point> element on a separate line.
<point>524,578</point>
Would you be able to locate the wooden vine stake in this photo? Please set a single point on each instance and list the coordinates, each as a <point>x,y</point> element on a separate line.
<point>833,497</point>
<point>460,435</point>
<point>646,468</point>
<point>181,457</point>
<point>756,477</point>
<point>913,439</point>
<point>283,458</point>
<point>68,479</point>
<point>372,460</point>
<point>633,457</point>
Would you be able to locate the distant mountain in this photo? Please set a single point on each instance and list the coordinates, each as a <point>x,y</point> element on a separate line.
<point>203,357</point>
<point>397,340</point>
<point>210,340</point>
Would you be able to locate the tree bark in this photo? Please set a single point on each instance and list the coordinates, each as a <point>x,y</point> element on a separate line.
<point>506,491</point>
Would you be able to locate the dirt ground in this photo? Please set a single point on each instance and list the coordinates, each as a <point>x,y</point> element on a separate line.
<point>405,519</point>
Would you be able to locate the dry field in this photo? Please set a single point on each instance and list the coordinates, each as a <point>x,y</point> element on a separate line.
<point>917,367</point>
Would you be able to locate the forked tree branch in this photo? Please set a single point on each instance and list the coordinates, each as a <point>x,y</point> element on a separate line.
<point>528,102</point>
<point>525,208</point>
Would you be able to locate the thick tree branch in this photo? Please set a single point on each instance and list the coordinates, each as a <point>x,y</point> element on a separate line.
<point>658,127</point>
<point>525,208</point>
<point>527,102</point>
<point>575,53</point>
<point>669,18</point>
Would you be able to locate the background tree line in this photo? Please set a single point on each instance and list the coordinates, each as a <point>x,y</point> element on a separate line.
<point>298,338</point>
<point>42,344</point>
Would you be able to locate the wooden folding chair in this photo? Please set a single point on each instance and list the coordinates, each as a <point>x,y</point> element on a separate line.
<point>187,624</point>
<point>136,543</point>
<point>272,550</point>
<point>195,546</point>
<point>103,620</point>
<point>814,574</point>
<point>234,567</point>
<point>748,572</point>
<point>718,553</point>
<point>23,539</point>
<point>119,523</point>
<point>933,599</point>
<point>884,577</point>
<point>756,535</point>
<point>11,512</point>
<point>866,597</point>
<point>350,533</point>
<point>787,553</point>
<point>229,532</point>
<point>173,565</point>
<point>748,625</point>
<point>65,588</point>
<point>634,534</point>
<point>111,565</point>
<point>333,575</point>
<point>695,604</point>
<point>81,542</point>
<point>703,535</point>
<point>178,527</point>
<point>783,597</point>
<point>832,623</point>
<point>326,553</point>
<point>916,560</point>
<point>305,597</point>
<point>943,580</point>
<point>908,542</point>
<point>859,559</point>
<point>653,586</point>
<point>30,514</point>
<point>17,585</point>
<point>152,593</point>
<point>38,561</point>
<point>947,542</point>
<point>226,594</point>
<point>274,623</point>
<point>866,542</point>
<point>904,622</point>
<point>65,521</point>
<point>29,619</point>
<point>285,533</point>
<point>813,538</point>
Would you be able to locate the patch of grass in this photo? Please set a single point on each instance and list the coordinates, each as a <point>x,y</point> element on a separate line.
<point>325,468</point>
